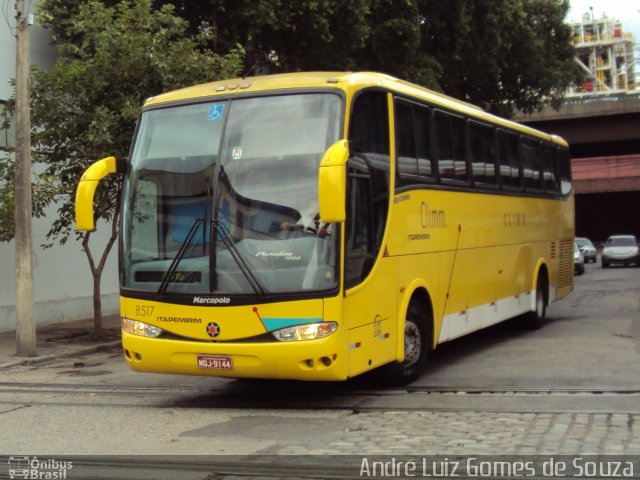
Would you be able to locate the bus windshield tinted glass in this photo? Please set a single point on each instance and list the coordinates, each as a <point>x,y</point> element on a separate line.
<point>243,173</point>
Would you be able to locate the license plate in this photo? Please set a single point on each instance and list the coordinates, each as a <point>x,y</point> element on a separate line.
<point>215,362</point>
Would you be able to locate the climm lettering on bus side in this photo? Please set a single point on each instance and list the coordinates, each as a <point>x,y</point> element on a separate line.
<point>432,218</point>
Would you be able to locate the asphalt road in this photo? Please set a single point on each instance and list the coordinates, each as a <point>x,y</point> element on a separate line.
<point>590,341</point>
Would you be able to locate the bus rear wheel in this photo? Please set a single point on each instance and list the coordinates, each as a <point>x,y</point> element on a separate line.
<point>416,348</point>
<point>536,318</point>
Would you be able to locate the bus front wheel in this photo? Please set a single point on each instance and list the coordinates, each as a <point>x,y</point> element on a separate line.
<point>416,348</point>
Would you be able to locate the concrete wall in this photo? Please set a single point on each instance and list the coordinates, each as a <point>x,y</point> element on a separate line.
<point>41,52</point>
<point>63,285</point>
<point>62,279</point>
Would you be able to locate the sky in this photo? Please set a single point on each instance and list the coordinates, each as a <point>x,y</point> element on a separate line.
<point>626,10</point>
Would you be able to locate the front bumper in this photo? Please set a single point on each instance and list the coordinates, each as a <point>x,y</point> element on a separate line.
<point>623,260</point>
<point>321,359</point>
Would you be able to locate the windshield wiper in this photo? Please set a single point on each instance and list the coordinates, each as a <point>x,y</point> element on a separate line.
<point>244,267</point>
<point>166,279</point>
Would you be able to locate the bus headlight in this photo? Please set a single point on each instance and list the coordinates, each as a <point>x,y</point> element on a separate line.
<point>310,331</point>
<point>138,328</point>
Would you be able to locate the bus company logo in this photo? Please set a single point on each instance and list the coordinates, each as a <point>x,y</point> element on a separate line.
<point>35,468</point>
<point>515,219</point>
<point>431,218</point>
<point>213,329</point>
<point>212,300</point>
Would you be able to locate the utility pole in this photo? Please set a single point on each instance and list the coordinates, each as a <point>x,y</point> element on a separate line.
<point>25,330</point>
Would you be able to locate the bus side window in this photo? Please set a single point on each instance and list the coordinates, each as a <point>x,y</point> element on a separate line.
<point>530,154</point>
<point>483,155</point>
<point>564,164</point>
<point>550,177</point>
<point>423,152</point>
<point>450,136</point>
<point>508,157</point>
<point>405,142</point>
<point>412,143</point>
<point>359,238</point>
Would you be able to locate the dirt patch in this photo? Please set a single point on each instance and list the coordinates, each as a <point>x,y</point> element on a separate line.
<point>81,336</point>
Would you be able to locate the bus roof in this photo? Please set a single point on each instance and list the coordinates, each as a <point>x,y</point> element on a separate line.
<point>348,82</point>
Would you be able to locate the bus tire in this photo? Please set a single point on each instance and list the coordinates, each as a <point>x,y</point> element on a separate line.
<point>535,319</point>
<point>416,348</point>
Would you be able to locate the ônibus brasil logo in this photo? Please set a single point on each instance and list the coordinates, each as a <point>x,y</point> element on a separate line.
<point>35,468</point>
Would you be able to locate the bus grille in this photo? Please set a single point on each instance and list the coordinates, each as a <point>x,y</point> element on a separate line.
<point>565,272</point>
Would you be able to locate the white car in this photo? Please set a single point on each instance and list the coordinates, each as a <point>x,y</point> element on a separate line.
<point>621,249</point>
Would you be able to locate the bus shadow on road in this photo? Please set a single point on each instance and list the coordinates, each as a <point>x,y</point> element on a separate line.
<point>477,343</point>
<point>353,393</point>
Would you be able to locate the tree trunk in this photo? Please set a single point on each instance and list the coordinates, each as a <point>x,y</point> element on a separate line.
<point>97,307</point>
<point>96,270</point>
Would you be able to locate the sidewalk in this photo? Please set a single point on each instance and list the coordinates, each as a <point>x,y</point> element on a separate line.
<point>61,340</point>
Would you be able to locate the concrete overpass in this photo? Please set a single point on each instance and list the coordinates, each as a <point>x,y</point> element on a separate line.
<point>604,136</point>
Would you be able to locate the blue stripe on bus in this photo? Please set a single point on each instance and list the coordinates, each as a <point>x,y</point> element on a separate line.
<point>272,324</point>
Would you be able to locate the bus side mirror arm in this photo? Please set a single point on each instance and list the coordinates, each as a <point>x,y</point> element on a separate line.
<point>332,183</point>
<point>87,188</point>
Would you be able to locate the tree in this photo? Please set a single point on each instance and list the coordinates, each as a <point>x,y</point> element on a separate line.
<point>285,35</point>
<point>110,58</point>
<point>501,54</point>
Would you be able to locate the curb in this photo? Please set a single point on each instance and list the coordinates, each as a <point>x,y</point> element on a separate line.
<point>47,358</point>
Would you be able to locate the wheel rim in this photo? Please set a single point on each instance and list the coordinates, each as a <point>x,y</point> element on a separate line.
<point>539,302</point>
<point>412,343</point>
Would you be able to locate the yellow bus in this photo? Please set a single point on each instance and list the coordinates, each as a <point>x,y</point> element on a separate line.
<point>315,226</point>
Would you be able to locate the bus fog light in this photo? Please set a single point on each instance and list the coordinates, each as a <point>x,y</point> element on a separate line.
<point>310,331</point>
<point>139,328</point>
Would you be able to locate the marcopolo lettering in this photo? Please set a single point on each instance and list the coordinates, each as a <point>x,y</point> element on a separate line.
<point>212,300</point>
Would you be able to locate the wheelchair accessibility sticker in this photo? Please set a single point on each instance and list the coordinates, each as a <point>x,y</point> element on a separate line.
<point>216,112</point>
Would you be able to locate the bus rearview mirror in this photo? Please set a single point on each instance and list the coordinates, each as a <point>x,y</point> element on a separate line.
<point>87,188</point>
<point>332,183</point>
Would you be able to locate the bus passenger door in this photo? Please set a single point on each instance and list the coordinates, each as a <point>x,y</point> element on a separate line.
<point>370,278</point>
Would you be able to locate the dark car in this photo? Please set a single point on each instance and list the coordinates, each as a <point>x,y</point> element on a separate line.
<point>588,250</point>
<point>578,260</point>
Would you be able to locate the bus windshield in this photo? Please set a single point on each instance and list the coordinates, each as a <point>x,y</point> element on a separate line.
<point>242,172</point>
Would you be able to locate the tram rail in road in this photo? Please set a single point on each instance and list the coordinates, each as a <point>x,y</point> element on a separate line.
<point>287,395</point>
